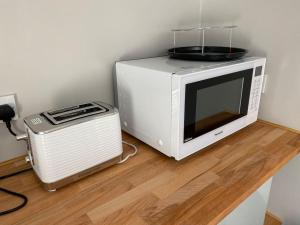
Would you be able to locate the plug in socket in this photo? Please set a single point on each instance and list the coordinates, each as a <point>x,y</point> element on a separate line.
<point>11,101</point>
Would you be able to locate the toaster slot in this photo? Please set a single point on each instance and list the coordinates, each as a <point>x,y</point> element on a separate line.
<point>77,114</point>
<point>54,112</point>
<point>72,113</point>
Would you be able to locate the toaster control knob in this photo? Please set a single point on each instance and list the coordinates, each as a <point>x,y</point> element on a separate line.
<point>125,123</point>
<point>27,159</point>
<point>160,142</point>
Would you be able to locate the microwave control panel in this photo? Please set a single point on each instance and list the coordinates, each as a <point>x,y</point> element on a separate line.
<point>256,89</point>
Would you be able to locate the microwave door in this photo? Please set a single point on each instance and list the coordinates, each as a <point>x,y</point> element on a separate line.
<point>212,103</point>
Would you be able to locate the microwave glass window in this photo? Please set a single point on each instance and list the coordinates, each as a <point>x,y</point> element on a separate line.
<point>215,102</point>
<point>218,104</point>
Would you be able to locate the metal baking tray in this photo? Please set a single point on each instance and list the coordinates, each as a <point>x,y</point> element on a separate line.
<point>210,53</point>
<point>203,52</point>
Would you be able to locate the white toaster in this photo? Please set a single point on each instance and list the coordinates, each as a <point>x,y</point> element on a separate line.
<point>68,144</point>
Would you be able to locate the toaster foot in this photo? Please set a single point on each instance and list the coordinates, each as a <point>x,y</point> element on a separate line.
<point>51,187</point>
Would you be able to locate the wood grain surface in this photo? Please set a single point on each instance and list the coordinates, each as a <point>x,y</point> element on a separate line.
<point>272,219</point>
<point>152,189</point>
<point>13,166</point>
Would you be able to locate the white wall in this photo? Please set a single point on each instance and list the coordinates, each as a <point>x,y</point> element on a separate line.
<point>285,196</point>
<point>270,28</point>
<point>61,52</point>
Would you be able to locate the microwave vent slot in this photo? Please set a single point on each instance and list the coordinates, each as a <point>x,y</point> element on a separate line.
<point>72,113</point>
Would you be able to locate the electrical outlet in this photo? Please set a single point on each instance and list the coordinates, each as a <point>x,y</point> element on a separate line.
<point>11,101</point>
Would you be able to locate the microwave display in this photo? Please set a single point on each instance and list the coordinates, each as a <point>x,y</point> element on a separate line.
<point>212,103</point>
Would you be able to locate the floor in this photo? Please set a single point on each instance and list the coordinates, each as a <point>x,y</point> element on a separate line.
<point>272,220</point>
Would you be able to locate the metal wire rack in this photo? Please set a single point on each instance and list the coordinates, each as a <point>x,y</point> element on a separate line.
<point>203,30</point>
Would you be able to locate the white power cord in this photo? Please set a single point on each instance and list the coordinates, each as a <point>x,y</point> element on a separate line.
<point>129,155</point>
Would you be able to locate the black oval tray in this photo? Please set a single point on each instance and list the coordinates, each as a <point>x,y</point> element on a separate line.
<point>211,53</point>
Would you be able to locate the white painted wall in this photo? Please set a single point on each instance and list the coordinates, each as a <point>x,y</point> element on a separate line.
<point>270,28</point>
<point>61,52</point>
<point>285,194</point>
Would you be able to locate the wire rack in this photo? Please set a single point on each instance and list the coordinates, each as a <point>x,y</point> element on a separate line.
<point>203,30</point>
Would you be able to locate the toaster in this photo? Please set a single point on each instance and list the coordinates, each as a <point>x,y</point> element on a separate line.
<point>68,144</point>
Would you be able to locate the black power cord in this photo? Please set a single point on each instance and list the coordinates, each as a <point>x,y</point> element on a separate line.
<point>8,125</point>
<point>6,114</point>
<point>21,196</point>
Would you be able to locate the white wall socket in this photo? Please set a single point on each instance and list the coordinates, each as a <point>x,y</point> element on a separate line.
<point>11,101</point>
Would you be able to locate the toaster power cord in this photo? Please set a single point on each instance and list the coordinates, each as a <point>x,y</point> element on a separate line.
<point>129,155</point>
<point>7,113</point>
<point>8,125</point>
<point>21,196</point>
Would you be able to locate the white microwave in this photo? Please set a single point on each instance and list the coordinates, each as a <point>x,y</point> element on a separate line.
<point>180,107</point>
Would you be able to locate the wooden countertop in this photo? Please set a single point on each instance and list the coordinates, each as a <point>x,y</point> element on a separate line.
<point>156,190</point>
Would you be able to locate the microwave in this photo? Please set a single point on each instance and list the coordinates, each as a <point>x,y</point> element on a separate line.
<point>180,107</point>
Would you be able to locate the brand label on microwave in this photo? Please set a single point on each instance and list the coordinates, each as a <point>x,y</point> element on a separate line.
<point>188,139</point>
